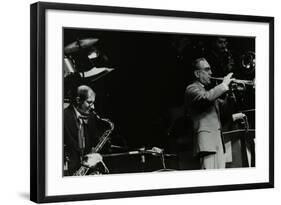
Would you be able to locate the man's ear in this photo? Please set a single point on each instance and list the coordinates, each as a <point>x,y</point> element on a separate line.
<point>196,73</point>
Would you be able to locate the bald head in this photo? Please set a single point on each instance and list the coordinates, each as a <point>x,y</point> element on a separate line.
<point>84,99</point>
<point>83,91</point>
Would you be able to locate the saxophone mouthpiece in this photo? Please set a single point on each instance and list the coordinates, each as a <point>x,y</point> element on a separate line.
<point>92,110</point>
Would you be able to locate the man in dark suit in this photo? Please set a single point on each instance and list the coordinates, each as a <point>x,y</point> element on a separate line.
<point>203,107</point>
<point>80,132</point>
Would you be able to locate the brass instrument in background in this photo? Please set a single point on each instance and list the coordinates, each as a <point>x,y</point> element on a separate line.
<point>83,170</point>
<point>248,62</point>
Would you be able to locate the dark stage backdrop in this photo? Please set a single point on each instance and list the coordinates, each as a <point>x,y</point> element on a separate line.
<point>147,86</point>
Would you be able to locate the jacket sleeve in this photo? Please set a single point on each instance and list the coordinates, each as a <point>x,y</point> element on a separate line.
<point>227,107</point>
<point>71,155</point>
<point>197,96</point>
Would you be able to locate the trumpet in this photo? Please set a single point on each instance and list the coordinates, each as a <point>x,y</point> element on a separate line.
<point>238,81</point>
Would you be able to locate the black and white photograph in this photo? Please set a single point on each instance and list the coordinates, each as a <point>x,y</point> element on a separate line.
<point>136,101</point>
<point>140,102</point>
<point>133,102</point>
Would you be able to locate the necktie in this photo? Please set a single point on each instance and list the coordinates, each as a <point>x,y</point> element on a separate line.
<point>81,135</point>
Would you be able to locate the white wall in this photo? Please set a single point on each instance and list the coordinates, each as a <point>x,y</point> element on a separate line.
<point>14,84</point>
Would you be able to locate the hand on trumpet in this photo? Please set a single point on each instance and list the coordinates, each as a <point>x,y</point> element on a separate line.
<point>228,79</point>
<point>235,84</point>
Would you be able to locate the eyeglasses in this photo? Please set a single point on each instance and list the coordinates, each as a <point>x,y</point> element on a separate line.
<point>207,69</point>
<point>90,102</point>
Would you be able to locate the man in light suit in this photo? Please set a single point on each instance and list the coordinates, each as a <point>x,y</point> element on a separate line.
<point>203,106</point>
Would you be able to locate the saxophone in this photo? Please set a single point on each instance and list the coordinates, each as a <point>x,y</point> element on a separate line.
<point>83,170</point>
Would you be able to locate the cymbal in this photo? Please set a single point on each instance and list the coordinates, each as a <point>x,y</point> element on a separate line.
<point>76,45</point>
<point>96,73</point>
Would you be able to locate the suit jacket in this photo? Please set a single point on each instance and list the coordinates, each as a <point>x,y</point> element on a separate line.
<point>71,148</point>
<point>203,107</point>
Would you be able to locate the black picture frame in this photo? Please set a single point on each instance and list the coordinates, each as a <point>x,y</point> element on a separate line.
<point>38,100</point>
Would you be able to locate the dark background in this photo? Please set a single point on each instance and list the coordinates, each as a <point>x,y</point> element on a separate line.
<point>144,95</point>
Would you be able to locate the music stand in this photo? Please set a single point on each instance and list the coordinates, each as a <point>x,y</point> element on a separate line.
<point>242,147</point>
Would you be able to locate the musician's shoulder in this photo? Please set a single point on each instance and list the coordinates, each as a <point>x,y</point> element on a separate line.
<point>67,110</point>
<point>193,86</point>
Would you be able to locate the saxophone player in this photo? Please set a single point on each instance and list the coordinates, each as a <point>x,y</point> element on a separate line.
<point>80,132</point>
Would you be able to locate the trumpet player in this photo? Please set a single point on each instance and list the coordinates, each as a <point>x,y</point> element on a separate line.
<point>80,131</point>
<point>204,108</point>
